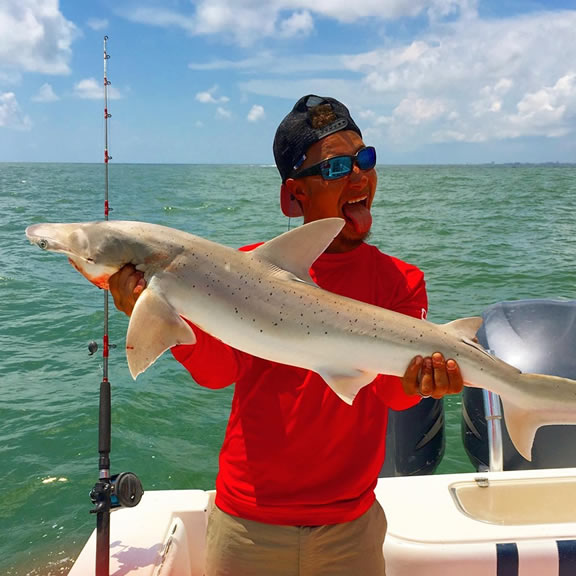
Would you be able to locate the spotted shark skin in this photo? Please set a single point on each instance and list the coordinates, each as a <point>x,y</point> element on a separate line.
<point>265,303</point>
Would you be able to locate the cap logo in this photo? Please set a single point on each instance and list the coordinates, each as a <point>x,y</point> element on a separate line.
<point>314,101</point>
<point>336,126</point>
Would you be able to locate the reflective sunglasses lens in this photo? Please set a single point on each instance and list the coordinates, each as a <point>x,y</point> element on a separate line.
<point>337,167</point>
<point>366,158</point>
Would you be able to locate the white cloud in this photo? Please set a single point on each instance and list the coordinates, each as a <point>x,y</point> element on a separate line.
<point>89,89</point>
<point>491,97</point>
<point>246,21</point>
<point>45,94</point>
<point>298,24</point>
<point>35,36</point>
<point>11,115</point>
<point>223,112</point>
<point>372,118</point>
<point>469,80</point>
<point>234,21</point>
<point>419,110</point>
<point>256,113</point>
<point>273,64</point>
<point>465,9</point>
<point>10,78</point>
<point>97,23</point>
<point>207,97</point>
<point>549,111</point>
<point>92,89</point>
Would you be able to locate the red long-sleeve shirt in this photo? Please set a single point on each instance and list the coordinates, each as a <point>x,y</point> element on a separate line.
<point>294,453</point>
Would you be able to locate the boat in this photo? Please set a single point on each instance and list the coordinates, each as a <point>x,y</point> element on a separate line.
<point>509,518</point>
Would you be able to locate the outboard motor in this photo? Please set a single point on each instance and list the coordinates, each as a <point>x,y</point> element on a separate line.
<point>415,439</point>
<point>535,336</point>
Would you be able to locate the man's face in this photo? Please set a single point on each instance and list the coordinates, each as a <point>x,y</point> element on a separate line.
<point>349,197</point>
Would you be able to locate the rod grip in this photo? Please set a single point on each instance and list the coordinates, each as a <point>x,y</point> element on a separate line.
<point>104,425</point>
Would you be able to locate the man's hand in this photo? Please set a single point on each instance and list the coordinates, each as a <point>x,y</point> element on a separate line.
<point>126,286</point>
<point>432,377</point>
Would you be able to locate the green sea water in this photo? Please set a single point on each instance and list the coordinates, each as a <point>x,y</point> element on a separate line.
<point>481,234</point>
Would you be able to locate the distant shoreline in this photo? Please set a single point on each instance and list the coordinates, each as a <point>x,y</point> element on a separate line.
<point>268,165</point>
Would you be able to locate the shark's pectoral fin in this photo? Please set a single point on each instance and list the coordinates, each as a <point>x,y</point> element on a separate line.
<point>346,386</point>
<point>154,327</point>
<point>522,426</point>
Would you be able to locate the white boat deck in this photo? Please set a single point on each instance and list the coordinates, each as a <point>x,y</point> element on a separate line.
<point>508,524</point>
<point>163,536</point>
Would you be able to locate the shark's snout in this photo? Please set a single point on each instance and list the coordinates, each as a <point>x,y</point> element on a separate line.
<point>52,237</point>
<point>35,236</point>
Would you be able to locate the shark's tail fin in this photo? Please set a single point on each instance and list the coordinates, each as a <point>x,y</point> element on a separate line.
<point>522,422</point>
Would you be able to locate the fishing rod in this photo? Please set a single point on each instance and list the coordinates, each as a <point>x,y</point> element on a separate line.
<point>123,489</point>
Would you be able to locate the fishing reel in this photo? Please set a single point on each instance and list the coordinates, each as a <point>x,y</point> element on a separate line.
<point>93,347</point>
<point>122,490</point>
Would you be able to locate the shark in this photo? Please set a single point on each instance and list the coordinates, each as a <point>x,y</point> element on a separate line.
<point>265,303</point>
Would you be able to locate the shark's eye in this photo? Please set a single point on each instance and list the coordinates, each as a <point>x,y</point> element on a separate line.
<point>43,244</point>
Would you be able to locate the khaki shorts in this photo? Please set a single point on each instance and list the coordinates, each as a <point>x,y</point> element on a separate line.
<point>237,547</point>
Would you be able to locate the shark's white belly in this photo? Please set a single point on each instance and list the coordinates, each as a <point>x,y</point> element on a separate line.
<point>256,310</point>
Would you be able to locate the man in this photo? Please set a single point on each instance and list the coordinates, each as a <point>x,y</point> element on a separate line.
<point>298,467</point>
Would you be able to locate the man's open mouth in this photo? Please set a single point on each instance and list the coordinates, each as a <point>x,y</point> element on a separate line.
<point>358,214</point>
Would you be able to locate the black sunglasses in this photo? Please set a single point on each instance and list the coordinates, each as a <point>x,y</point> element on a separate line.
<point>340,166</point>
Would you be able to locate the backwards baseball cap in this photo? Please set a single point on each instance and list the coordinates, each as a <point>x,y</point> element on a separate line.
<point>297,132</point>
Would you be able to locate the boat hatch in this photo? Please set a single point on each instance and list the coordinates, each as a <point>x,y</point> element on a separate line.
<point>517,501</point>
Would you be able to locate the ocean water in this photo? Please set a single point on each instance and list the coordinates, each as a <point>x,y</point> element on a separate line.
<point>481,234</point>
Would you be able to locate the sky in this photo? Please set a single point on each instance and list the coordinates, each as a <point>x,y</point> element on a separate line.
<point>208,81</point>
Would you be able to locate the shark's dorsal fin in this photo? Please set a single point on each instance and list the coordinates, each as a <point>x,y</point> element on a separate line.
<point>296,250</point>
<point>466,329</point>
<point>465,326</point>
